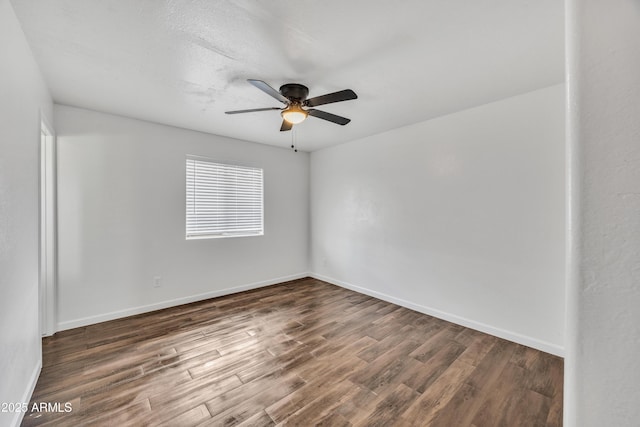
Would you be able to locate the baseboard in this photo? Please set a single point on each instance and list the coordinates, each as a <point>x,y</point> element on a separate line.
<point>76,323</point>
<point>26,398</point>
<point>488,329</point>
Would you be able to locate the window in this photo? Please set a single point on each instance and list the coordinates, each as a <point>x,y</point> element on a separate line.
<point>223,200</point>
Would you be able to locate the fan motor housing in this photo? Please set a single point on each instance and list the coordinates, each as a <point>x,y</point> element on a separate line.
<point>294,91</point>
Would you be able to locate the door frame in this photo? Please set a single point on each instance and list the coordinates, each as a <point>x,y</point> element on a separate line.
<point>48,229</point>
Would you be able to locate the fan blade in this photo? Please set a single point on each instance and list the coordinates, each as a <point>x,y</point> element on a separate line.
<point>285,126</point>
<point>268,90</point>
<point>328,116</point>
<point>252,110</point>
<point>343,95</point>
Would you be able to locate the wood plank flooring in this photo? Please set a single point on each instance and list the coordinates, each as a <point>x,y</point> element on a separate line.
<point>301,353</point>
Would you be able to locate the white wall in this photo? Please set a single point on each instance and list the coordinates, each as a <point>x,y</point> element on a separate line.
<point>23,95</point>
<point>121,210</point>
<point>461,217</point>
<point>602,379</point>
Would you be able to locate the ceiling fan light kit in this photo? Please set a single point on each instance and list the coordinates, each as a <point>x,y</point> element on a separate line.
<point>294,96</point>
<point>294,114</point>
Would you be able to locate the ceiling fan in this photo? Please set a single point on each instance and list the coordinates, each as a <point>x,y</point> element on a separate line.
<point>294,96</point>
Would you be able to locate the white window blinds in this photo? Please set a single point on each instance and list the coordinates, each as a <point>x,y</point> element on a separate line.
<point>223,200</point>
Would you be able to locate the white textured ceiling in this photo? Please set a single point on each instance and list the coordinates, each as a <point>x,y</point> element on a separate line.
<point>185,62</point>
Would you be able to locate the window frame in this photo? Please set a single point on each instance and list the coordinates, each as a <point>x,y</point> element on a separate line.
<point>190,234</point>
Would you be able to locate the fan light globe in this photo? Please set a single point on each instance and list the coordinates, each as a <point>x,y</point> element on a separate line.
<point>294,114</point>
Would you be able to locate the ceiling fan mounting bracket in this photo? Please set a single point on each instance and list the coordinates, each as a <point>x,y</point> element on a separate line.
<point>294,91</point>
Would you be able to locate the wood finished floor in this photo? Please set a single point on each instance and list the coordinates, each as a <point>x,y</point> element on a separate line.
<point>301,353</point>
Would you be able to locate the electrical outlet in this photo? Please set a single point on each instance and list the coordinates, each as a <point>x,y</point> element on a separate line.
<point>157,281</point>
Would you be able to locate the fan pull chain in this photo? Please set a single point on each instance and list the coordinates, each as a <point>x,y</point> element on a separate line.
<point>294,139</point>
